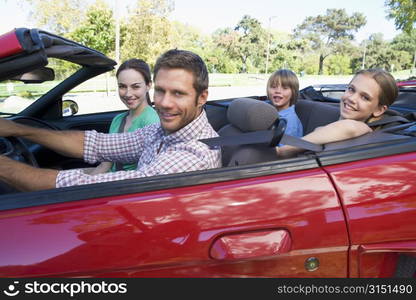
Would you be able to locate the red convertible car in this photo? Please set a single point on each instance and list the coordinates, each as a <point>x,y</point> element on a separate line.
<point>345,209</point>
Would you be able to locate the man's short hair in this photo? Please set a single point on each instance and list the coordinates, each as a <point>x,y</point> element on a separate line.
<point>187,60</point>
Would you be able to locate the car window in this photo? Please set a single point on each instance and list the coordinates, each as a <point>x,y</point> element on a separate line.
<point>16,95</point>
<point>98,94</point>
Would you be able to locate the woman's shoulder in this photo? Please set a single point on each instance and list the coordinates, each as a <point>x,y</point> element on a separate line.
<point>115,123</point>
<point>355,127</point>
<point>147,117</point>
<point>120,116</point>
<point>150,115</point>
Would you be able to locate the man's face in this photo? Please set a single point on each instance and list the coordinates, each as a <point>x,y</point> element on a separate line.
<point>176,100</point>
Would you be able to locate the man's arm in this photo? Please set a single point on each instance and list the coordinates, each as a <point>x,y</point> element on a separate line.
<point>169,162</point>
<point>69,143</point>
<point>333,132</point>
<point>24,177</point>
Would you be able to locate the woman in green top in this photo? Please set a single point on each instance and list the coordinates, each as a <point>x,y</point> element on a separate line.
<point>134,83</point>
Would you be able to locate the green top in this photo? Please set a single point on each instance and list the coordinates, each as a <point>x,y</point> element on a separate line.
<point>147,117</point>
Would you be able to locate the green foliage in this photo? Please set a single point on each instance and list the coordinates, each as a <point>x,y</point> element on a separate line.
<point>62,68</point>
<point>403,12</point>
<point>146,32</point>
<point>149,32</point>
<point>97,31</point>
<point>325,32</point>
<point>405,41</point>
<point>218,60</point>
<point>338,65</point>
<point>380,54</point>
<point>25,94</point>
<point>309,64</point>
<point>250,44</point>
<point>404,46</point>
<point>57,16</point>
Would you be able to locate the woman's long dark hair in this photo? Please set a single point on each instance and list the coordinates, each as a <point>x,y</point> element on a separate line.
<point>140,66</point>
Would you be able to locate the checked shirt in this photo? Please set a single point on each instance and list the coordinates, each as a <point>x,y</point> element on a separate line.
<point>154,152</point>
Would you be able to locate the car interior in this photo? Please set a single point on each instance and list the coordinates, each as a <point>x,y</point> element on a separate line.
<point>237,116</point>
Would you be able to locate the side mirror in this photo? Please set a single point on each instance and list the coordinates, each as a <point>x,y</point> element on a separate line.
<point>36,76</point>
<point>69,108</point>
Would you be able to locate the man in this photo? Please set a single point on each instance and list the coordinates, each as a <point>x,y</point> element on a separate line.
<point>180,92</point>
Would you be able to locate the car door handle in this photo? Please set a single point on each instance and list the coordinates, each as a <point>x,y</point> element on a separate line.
<point>251,244</point>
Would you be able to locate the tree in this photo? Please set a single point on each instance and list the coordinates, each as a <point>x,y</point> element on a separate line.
<point>97,31</point>
<point>252,42</point>
<point>245,44</point>
<point>338,64</point>
<point>186,37</point>
<point>406,42</point>
<point>379,53</point>
<point>227,43</point>
<point>57,16</point>
<point>326,32</point>
<point>288,54</point>
<point>403,12</point>
<point>148,30</point>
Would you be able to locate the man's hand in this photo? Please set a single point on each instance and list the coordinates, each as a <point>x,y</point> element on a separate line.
<point>8,128</point>
<point>69,143</point>
<point>24,177</point>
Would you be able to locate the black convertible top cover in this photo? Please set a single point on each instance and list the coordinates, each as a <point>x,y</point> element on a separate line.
<point>38,46</point>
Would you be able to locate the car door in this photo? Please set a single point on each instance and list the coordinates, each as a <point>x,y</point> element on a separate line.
<point>269,220</point>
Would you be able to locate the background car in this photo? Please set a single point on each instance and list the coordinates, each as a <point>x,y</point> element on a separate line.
<point>346,210</point>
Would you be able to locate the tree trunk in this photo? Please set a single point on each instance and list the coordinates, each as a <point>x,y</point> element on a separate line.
<point>321,64</point>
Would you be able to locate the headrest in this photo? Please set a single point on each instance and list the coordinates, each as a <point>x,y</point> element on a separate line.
<point>251,115</point>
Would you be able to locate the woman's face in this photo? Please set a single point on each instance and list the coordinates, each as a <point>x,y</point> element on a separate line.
<point>279,95</point>
<point>132,88</point>
<point>360,101</point>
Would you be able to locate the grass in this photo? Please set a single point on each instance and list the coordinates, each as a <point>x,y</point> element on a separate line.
<point>104,82</point>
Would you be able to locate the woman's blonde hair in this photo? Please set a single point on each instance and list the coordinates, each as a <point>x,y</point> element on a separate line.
<point>286,78</point>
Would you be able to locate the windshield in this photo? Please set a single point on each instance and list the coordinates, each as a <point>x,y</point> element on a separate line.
<point>15,95</point>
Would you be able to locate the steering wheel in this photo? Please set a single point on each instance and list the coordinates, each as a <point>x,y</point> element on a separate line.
<point>16,148</point>
<point>34,122</point>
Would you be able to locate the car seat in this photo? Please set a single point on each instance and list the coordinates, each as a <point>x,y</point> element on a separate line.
<point>313,114</point>
<point>248,115</point>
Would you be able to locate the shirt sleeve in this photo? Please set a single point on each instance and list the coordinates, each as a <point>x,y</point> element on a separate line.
<point>115,147</point>
<point>166,163</point>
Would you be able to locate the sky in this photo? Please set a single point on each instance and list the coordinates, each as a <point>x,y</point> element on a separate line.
<point>279,15</point>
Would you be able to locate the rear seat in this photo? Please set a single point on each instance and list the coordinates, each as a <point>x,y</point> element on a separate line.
<point>313,114</point>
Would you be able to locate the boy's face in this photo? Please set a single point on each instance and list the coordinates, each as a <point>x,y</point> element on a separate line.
<point>279,95</point>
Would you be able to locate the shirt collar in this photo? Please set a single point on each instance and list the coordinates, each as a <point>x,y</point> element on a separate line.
<point>190,131</point>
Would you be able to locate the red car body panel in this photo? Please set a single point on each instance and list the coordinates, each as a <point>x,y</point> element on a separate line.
<point>170,233</point>
<point>378,196</point>
<point>406,83</point>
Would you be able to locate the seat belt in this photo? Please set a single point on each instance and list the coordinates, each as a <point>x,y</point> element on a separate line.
<point>269,137</point>
<point>387,120</point>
